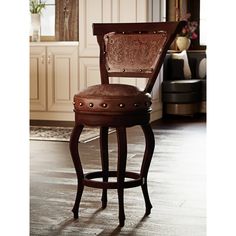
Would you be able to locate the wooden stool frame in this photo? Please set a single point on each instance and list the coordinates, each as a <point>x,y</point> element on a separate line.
<point>120,121</point>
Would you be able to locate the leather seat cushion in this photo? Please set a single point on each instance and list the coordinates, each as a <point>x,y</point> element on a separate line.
<point>108,98</point>
<point>181,85</point>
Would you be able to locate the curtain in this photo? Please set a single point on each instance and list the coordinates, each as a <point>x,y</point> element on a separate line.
<point>67,20</point>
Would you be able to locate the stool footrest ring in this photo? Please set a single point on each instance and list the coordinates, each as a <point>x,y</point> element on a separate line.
<point>88,180</point>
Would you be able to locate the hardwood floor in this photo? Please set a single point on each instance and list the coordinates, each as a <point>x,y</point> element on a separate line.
<point>176,184</point>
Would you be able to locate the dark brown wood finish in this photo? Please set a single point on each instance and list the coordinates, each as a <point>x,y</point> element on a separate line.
<point>176,183</point>
<point>170,28</point>
<point>150,144</point>
<point>105,161</point>
<point>121,106</point>
<point>78,167</point>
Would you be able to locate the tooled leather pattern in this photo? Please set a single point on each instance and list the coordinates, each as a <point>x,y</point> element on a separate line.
<point>133,52</point>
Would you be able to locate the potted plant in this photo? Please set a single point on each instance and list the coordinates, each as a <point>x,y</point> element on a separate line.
<point>36,8</point>
<point>187,34</point>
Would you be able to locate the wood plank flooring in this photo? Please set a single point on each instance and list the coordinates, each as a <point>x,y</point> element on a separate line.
<point>176,184</point>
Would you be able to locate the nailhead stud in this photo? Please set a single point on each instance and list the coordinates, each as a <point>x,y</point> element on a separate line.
<point>121,105</point>
<point>148,104</point>
<point>104,105</point>
<point>136,104</point>
<point>91,104</point>
<point>81,104</point>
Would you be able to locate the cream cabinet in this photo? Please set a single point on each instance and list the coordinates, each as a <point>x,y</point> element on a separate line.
<point>53,80</point>
<point>37,79</point>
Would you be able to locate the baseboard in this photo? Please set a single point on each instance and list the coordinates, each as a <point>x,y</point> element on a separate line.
<point>52,123</point>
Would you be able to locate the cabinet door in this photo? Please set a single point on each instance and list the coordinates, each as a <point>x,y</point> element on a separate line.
<point>37,78</point>
<point>62,74</point>
<point>89,72</point>
<point>102,11</point>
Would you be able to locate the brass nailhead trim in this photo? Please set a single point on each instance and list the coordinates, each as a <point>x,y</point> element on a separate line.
<point>104,105</point>
<point>136,104</point>
<point>91,104</point>
<point>123,70</point>
<point>148,104</point>
<point>140,70</point>
<point>121,105</point>
<point>81,104</point>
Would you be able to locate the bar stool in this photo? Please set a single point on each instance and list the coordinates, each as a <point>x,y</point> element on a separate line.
<point>126,50</point>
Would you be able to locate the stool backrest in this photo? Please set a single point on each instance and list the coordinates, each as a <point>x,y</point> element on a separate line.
<point>134,49</point>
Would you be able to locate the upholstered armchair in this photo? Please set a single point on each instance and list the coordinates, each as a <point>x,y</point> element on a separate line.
<point>184,83</point>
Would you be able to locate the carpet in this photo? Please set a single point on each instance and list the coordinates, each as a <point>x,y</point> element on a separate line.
<point>62,134</point>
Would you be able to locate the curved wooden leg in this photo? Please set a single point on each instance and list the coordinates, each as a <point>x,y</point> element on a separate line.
<point>78,167</point>
<point>121,166</point>
<point>104,160</point>
<point>150,145</point>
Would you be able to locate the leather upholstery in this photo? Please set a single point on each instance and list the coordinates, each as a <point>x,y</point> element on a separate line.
<point>133,52</point>
<point>181,86</point>
<point>178,93</point>
<point>117,98</point>
<point>189,97</point>
<point>181,91</point>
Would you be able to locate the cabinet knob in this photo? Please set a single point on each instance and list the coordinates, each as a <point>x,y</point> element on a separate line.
<point>49,59</point>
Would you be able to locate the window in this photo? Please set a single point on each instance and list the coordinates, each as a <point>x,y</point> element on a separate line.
<point>48,18</point>
<point>203,28</point>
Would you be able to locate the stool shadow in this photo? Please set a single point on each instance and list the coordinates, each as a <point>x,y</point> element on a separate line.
<point>117,230</point>
<point>94,215</point>
<point>62,226</point>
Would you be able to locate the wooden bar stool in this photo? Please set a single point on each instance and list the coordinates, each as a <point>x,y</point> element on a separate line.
<point>126,50</point>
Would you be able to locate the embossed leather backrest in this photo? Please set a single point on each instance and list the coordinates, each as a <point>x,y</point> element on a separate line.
<point>134,49</point>
<point>133,52</point>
